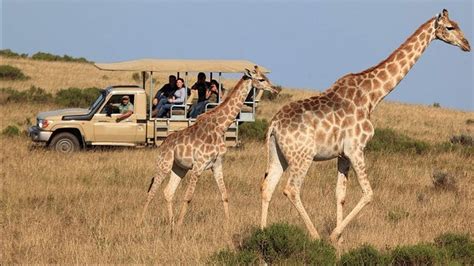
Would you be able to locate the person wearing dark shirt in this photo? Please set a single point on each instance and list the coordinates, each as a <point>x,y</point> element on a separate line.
<point>203,88</point>
<point>162,95</point>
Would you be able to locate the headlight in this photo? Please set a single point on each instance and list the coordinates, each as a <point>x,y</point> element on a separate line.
<point>44,123</point>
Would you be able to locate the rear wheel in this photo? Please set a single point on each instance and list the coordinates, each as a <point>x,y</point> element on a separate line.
<point>65,142</point>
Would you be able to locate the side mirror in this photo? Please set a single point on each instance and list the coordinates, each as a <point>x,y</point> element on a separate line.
<point>108,110</point>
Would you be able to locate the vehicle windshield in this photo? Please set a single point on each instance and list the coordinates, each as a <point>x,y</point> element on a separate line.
<point>98,100</point>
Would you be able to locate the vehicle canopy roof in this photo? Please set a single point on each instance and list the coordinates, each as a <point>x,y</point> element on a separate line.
<point>172,65</point>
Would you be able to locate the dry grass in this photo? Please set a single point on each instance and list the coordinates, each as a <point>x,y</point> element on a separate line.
<point>83,208</point>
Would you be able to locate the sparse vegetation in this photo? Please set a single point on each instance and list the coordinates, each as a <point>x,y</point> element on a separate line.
<point>469,121</point>
<point>396,215</point>
<point>11,131</point>
<point>436,105</point>
<point>443,180</point>
<point>464,140</point>
<point>8,72</point>
<point>71,97</point>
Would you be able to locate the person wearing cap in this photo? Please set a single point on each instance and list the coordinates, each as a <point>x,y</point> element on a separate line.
<point>126,108</point>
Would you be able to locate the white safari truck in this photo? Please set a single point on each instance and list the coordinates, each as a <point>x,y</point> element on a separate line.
<point>69,130</point>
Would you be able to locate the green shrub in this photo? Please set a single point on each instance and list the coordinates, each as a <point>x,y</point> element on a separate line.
<point>10,54</point>
<point>364,255</point>
<point>419,254</point>
<point>319,252</point>
<point>436,105</point>
<point>32,95</point>
<point>11,131</point>
<point>8,72</point>
<point>254,130</point>
<point>279,241</point>
<point>227,257</point>
<point>459,247</point>
<point>51,57</point>
<point>388,140</point>
<point>75,97</point>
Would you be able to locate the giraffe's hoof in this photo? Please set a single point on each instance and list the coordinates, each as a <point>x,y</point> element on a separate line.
<point>336,238</point>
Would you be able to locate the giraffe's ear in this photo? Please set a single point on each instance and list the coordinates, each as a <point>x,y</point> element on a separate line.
<point>445,13</point>
<point>248,72</point>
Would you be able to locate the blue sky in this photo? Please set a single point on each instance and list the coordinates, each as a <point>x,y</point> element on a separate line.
<point>306,44</point>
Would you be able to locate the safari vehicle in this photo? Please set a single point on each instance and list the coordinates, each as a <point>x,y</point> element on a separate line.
<point>69,130</point>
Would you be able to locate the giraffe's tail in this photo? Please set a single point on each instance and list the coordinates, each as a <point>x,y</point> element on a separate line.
<point>270,142</point>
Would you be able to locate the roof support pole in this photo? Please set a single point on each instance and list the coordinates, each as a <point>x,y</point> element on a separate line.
<point>143,79</point>
<point>220,87</point>
<point>151,92</point>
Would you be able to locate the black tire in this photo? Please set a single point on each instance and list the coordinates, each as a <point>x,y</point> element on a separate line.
<point>65,142</point>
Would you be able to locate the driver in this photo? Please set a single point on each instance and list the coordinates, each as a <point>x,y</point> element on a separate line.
<point>126,109</point>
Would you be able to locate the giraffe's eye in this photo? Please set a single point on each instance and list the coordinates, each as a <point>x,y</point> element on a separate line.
<point>261,80</point>
<point>450,28</point>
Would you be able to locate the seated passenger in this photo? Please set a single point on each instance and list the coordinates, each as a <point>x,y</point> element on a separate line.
<point>177,99</point>
<point>204,92</point>
<point>214,96</point>
<point>126,108</point>
<point>163,94</point>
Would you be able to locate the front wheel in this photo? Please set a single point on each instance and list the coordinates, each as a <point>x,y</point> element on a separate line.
<point>65,142</point>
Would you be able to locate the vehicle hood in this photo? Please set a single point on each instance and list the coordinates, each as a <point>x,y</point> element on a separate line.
<point>63,112</point>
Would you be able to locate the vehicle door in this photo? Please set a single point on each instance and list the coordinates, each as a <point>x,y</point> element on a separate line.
<point>106,127</point>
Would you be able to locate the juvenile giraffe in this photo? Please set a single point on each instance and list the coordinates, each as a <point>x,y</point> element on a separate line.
<point>201,146</point>
<point>336,124</point>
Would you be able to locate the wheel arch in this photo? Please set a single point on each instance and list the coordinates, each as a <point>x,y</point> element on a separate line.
<point>75,131</point>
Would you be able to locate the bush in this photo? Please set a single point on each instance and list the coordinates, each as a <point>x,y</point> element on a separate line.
<point>386,139</point>
<point>464,140</point>
<point>469,121</point>
<point>364,255</point>
<point>75,97</point>
<point>420,254</point>
<point>51,57</point>
<point>442,180</point>
<point>11,131</point>
<point>228,257</point>
<point>459,247</point>
<point>10,54</point>
<point>319,252</point>
<point>436,105</point>
<point>32,95</point>
<point>8,72</point>
<point>254,131</point>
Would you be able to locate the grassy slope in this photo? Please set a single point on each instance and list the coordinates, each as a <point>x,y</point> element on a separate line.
<point>83,208</point>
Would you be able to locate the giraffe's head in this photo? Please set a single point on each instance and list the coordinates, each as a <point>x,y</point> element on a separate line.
<point>259,80</point>
<point>448,31</point>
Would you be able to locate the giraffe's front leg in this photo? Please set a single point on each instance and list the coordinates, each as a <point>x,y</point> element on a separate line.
<point>358,163</point>
<point>219,177</point>
<point>198,168</point>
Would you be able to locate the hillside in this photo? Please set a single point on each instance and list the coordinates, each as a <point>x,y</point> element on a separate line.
<point>83,208</point>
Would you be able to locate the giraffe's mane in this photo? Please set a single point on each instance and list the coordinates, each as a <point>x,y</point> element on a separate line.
<point>221,105</point>
<point>394,53</point>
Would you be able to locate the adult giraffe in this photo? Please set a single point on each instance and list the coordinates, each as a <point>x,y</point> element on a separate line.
<point>336,124</point>
<point>201,146</point>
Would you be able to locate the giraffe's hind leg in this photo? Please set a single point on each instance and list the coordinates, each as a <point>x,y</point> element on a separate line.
<point>177,174</point>
<point>298,170</point>
<point>276,167</point>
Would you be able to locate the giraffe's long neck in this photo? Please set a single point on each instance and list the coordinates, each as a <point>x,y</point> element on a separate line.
<point>377,82</point>
<point>228,110</point>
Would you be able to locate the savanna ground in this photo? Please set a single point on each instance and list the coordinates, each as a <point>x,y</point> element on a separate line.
<point>83,208</point>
